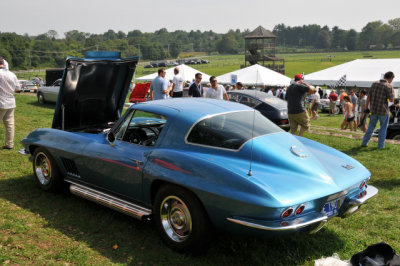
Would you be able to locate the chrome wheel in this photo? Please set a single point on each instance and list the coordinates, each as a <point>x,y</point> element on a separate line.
<point>40,98</point>
<point>175,218</point>
<point>42,168</point>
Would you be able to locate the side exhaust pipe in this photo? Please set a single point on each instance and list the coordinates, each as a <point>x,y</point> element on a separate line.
<point>112,202</point>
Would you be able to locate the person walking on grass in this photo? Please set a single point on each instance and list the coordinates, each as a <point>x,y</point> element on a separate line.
<point>332,102</point>
<point>8,85</point>
<point>362,116</point>
<point>315,102</point>
<point>296,95</point>
<point>380,92</point>
<point>349,116</point>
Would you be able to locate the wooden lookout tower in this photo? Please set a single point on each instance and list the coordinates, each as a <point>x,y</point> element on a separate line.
<point>260,48</point>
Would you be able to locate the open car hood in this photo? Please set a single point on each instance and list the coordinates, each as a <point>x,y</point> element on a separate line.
<point>93,90</point>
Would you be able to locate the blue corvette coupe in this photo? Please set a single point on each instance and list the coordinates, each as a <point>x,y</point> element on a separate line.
<point>189,164</point>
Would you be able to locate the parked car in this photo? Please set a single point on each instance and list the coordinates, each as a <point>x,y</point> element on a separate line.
<point>49,94</point>
<point>273,108</point>
<point>27,85</point>
<point>190,164</point>
<point>393,131</point>
<point>148,66</point>
<point>324,106</point>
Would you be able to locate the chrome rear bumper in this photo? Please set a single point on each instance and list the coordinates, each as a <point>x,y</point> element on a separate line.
<point>355,204</point>
<point>316,219</point>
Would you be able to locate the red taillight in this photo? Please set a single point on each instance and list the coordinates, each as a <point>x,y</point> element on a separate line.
<point>363,184</point>
<point>284,223</point>
<point>300,209</point>
<point>284,122</point>
<point>286,213</point>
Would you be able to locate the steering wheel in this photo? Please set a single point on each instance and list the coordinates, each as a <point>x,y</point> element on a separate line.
<point>137,136</point>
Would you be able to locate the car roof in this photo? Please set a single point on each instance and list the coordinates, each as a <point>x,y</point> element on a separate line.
<point>191,109</point>
<point>253,93</point>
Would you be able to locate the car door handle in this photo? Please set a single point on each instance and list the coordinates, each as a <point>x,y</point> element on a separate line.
<point>138,163</point>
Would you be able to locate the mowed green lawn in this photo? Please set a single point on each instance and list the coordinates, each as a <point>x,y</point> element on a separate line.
<point>294,63</point>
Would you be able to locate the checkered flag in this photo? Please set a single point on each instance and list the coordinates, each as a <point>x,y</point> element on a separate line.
<point>341,82</point>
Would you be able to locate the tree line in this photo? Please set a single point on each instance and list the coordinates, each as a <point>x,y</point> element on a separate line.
<point>50,50</point>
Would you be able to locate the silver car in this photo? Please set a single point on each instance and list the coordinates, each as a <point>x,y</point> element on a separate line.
<point>49,94</point>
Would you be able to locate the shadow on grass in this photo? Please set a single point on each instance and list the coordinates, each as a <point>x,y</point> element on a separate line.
<point>45,105</point>
<point>357,150</point>
<point>100,228</point>
<point>388,184</point>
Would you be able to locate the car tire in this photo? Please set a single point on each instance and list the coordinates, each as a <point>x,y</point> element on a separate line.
<point>46,171</point>
<point>181,220</point>
<point>40,98</point>
<point>395,136</point>
<point>337,110</point>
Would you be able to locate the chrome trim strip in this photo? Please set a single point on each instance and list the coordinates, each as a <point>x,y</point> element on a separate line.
<point>112,202</point>
<point>281,228</point>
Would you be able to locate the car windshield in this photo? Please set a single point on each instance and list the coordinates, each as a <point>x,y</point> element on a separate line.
<point>231,130</point>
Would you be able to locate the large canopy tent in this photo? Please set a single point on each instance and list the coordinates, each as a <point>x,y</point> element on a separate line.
<point>359,73</point>
<point>187,73</point>
<point>255,75</point>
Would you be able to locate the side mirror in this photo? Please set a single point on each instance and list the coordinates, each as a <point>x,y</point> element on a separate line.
<point>111,138</point>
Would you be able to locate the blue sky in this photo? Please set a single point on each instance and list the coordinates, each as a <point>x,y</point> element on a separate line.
<point>97,16</point>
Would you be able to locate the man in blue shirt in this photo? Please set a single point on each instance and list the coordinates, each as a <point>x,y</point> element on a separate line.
<point>159,88</point>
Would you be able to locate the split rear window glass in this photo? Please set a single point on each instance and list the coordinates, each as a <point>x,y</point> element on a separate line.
<point>231,130</point>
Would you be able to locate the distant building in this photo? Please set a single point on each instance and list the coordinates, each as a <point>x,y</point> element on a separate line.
<point>260,48</point>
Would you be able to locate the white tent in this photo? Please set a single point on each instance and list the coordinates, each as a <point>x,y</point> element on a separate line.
<point>255,75</point>
<point>359,73</point>
<point>187,73</point>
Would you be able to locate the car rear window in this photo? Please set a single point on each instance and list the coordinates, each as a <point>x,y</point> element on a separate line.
<point>231,130</point>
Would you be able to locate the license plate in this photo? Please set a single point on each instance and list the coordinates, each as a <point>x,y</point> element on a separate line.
<point>331,208</point>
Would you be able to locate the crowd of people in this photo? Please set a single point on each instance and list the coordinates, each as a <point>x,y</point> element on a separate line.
<point>355,109</point>
<point>303,101</point>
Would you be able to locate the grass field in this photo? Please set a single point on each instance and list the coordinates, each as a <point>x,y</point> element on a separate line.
<point>40,228</point>
<point>294,63</point>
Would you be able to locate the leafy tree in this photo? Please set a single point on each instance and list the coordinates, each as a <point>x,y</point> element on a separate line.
<point>323,39</point>
<point>338,38</point>
<point>174,50</point>
<point>351,40</point>
<point>227,45</point>
<point>395,24</point>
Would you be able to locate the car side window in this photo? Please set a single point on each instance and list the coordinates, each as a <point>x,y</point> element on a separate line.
<point>234,97</point>
<point>141,127</point>
<point>253,103</point>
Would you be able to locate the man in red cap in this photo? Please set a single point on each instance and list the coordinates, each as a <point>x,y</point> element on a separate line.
<point>296,95</point>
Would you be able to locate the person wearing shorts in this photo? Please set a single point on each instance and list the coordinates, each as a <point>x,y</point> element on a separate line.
<point>296,95</point>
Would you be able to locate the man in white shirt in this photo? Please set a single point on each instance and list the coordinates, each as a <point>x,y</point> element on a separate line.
<point>8,85</point>
<point>177,84</point>
<point>216,91</point>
